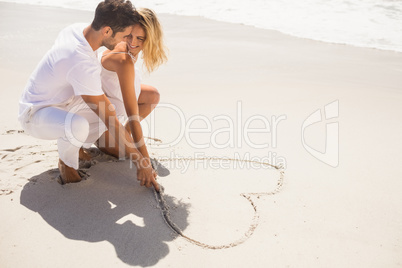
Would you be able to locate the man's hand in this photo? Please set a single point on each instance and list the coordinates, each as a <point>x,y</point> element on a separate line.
<point>147,176</point>
<point>121,47</point>
<point>101,106</point>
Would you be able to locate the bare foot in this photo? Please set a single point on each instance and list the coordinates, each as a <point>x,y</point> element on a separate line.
<point>83,155</point>
<point>108,150</point>
<point>68,174</point>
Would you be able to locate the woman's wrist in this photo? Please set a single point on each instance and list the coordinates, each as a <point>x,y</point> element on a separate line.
<point>143,162</point>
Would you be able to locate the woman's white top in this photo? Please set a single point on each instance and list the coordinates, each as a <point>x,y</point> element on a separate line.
<point>111,86</point>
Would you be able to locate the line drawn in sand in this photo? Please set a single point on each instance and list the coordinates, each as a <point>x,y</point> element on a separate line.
<point>254,223</point>
<point>164,207</point>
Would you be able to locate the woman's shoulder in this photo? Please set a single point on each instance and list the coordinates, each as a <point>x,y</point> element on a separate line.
<point>113,59</point>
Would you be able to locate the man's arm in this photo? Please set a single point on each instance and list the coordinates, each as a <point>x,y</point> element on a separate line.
<point>106,112</point>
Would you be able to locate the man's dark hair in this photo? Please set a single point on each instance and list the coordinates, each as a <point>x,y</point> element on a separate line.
<point>117,14</point>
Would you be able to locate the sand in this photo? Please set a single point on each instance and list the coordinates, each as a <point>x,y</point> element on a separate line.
<point>343,213</point>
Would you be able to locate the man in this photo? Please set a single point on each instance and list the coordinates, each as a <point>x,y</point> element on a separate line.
<point>63,98</point>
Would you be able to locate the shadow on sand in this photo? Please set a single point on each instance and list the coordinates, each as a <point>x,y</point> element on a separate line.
<point>108,206</point>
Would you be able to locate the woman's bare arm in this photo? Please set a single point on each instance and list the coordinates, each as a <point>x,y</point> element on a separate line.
<point>101,106</point>
<point>126,75</point>
<point>123,65</point>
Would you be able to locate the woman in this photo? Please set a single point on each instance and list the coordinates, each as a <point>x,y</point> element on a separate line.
<point>121,81</point>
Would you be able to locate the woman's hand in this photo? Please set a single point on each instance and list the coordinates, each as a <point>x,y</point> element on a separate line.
<point>146,175</point>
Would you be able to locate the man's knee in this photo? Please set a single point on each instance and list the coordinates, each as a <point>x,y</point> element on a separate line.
<point>79,128</point>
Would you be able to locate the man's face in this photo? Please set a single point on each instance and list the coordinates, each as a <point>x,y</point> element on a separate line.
<point>111,42</point>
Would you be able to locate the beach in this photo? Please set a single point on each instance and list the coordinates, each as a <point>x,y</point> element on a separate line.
<point>327,116</point>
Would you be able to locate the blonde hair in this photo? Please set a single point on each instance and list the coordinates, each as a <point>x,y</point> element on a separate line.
<point>154,50</point>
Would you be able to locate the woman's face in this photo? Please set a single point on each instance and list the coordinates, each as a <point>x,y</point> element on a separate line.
<point>136,40</point>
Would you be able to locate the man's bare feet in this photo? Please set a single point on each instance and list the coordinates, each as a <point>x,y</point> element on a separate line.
<point>68,174</point>
<point>83,155</point>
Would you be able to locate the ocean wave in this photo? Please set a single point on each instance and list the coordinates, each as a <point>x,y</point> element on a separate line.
<point>363,23</point>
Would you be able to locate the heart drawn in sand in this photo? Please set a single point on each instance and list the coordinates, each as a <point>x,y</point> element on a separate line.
<point>201,177</point>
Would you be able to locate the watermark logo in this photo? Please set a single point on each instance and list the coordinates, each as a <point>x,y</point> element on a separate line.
<point>330,155</point>
<point>239,131</point>
<point>199,160</point>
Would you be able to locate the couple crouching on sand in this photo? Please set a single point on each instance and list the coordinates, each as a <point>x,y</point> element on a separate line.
<point>80,98</point>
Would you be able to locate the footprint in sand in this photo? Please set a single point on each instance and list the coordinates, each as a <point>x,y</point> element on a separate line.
<point>21,163</point>
<point>12,150</point>
<point>26,165</point>
<point>13,131</point>
<point>168,212</point>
